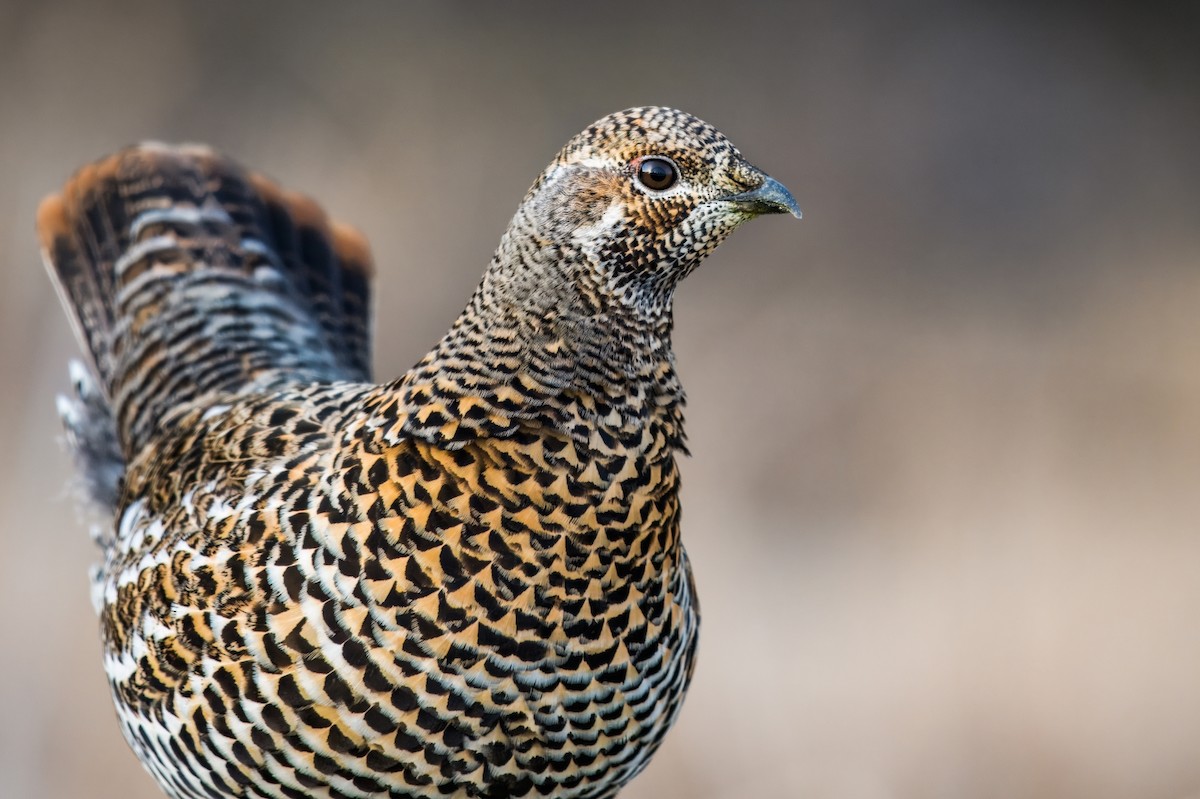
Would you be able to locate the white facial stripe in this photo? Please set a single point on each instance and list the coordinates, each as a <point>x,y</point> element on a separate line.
<point>587,235</point>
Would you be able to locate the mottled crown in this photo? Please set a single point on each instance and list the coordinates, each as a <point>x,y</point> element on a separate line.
<point>650,130</point>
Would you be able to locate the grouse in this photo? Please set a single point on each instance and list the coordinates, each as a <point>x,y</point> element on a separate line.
<point>467,581</point>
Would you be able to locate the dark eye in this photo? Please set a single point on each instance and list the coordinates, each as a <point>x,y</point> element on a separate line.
<point>657,173</point>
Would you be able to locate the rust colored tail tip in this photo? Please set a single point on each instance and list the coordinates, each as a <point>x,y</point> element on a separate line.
<point>349,245</point>
<point>304,210</point>
<point>51,221</point>
<point>352,249</point>
<point>53,215</point>
<point>54,211</point>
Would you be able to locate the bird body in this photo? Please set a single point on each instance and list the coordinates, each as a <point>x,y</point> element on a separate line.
<point>468,581</point>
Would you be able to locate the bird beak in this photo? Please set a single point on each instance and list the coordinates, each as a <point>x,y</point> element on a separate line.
<point>769,198</point>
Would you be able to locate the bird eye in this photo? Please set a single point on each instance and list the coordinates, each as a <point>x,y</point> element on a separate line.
<point>658,174</point>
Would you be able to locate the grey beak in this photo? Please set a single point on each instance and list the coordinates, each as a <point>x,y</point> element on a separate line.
<point>772,197</point>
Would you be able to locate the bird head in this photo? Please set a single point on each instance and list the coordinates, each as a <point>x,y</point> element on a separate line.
<point>641,197</point>
<point>577,299</point>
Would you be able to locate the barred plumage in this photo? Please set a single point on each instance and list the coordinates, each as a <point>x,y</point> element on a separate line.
<point>466,582</point>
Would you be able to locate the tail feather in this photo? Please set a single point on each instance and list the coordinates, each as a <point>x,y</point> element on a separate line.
<point>91,435</point>
<point>77,283</point>
<point>330,262</point>
<point>184,275</point>
<point>351,250</point>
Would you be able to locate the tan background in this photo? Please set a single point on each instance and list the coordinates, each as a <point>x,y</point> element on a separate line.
<point>945,501</point>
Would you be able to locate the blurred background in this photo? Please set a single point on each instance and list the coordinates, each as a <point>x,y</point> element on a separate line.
<point>944,504</point>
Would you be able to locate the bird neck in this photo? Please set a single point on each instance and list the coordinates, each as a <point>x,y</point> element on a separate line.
<point>543,345</point>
